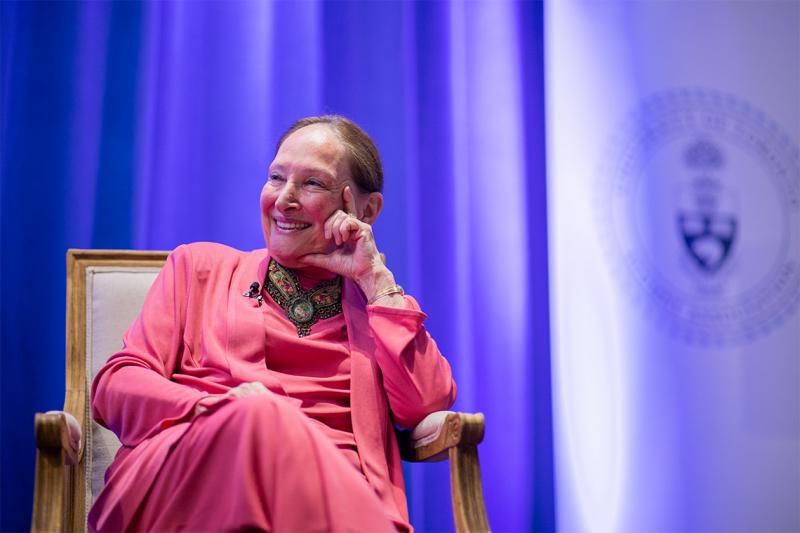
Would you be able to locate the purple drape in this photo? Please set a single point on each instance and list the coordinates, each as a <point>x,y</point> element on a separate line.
<point>150,125</point>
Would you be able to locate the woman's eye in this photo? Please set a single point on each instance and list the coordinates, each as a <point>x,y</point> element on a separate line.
<point>315,182</point>
<point>276,177</point>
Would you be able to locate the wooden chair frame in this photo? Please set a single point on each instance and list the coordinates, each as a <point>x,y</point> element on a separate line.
<point>59,493</point>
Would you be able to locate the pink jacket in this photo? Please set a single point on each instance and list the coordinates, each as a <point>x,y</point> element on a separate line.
<point>197,335</point>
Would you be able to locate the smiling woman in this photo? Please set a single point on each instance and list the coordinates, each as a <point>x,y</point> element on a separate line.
<point>320,200</point>
<point>270,405</point>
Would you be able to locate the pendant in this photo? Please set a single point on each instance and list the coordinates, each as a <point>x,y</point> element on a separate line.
<point>303,308</point>
<point>300,310</point>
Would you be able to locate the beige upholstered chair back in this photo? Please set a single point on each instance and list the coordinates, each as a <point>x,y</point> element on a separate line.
<point>108,289</point>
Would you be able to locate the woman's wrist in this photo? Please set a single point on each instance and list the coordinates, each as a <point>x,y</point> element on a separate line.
<point>379,287</point>
<point>386,293</point>
<point>378,279</point>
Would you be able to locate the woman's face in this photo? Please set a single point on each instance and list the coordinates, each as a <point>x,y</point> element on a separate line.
<point>304,187</point>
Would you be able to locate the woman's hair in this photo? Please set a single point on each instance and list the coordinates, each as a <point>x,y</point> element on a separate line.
<point>365,161</point>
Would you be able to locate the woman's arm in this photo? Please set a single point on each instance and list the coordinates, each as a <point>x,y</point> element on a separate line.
<point>132,394</point>
<point>416,377</point>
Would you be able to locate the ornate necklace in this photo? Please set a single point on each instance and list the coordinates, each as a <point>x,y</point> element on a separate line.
<point>303,307</point>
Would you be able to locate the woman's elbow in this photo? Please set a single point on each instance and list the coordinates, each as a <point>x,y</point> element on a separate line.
<point>410,412</point>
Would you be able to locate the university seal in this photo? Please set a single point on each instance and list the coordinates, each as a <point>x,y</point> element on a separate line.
<point>699,204</point>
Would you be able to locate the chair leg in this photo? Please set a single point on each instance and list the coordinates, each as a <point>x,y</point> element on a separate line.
<point>49,492</point>
<point>469,510</point>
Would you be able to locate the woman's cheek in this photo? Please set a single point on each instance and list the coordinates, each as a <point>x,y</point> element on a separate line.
<point>323,245</point>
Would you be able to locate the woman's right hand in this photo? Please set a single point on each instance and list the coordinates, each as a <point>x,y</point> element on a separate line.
<point>240,391</point>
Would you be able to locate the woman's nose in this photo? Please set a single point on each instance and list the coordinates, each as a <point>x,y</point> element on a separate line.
<point>287,198</point>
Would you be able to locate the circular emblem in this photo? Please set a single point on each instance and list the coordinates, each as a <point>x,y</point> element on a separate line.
<point>301,310</point>
<point>699,200</point>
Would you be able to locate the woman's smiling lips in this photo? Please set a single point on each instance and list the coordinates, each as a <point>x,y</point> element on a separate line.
<point>286,225</point>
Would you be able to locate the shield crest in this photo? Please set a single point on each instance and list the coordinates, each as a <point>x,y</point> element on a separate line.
<point>708,237</point>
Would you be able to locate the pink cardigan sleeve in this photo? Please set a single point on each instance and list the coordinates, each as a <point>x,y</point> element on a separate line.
<point>416,377</point>
<point>132,394</point>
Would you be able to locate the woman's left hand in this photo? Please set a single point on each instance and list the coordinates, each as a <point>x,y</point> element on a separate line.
<point>356,255</point>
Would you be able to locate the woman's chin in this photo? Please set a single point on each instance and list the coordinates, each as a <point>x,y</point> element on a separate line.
<point>289,260</point>
<point>288,251</point>
<point>294,258</point>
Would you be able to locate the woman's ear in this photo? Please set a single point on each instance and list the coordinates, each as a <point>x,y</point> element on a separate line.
<point>372,207</point>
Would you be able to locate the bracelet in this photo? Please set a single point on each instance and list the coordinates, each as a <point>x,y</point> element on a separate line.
<point>394,289</point>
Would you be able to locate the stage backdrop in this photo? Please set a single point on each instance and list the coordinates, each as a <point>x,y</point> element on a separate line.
<point>148,125</point>
<point>674,204</point>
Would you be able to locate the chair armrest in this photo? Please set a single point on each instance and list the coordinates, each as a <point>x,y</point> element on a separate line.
<point>58,443</point>
<point>437,433</point>
<point>59,431</point>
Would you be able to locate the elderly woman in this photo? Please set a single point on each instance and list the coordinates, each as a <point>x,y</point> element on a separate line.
<point>260,390</point>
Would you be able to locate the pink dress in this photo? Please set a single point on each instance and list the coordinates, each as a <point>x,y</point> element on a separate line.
<point>317,453</point>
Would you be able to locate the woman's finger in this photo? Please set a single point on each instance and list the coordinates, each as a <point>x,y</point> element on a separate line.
<point>318,260</point>
<point>349,202</point>
<point>254,387</point>
<point>247,389</point>
<point>206,403</point>
<point>260,387</point>
<point>333,223</point>
<point>346,228</point>
<point>328,227</point>
<point>341,227</point>
<point>329,224</point>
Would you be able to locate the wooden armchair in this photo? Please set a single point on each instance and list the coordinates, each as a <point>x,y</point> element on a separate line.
<point>105,291</point>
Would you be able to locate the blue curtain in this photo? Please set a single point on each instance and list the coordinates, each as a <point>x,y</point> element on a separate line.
<point>148,125</point>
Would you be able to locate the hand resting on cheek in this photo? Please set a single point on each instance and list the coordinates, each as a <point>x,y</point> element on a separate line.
<point>356,254</point>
